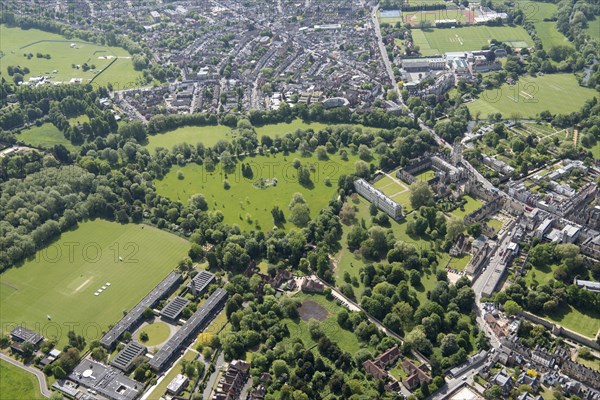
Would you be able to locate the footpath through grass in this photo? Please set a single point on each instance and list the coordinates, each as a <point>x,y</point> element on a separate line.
<point>54,292</point>
<point>17,384</point>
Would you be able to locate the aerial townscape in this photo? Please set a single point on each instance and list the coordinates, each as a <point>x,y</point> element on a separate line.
<point>300,199</point>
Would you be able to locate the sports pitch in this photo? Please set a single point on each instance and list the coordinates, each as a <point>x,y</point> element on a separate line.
<point>469,38</point>
<point>62,280</point>
<point>557,93</point>
<point>115,63</point>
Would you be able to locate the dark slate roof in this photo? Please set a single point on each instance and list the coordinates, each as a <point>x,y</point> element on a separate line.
<point>134,316</point>
<point>124,360</point>
<point>25,335</point>
<point>201,281</point>
<point>174,308</point>
<point>191,327</point>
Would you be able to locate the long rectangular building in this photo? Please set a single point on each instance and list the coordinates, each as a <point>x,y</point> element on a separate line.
<point>377,197</point>
<point>189,330</point>
<point>135,316</point>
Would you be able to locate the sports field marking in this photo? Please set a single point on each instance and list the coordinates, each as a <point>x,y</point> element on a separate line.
<point>83,284</point>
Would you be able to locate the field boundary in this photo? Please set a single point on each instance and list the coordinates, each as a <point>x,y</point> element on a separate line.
<point>60,41</point>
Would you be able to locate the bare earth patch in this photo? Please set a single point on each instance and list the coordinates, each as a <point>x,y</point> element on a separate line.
<point>310,309</point>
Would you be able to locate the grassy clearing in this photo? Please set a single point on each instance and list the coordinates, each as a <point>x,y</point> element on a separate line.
<point>14,42</point>
<point>284,128</point>
<point>536,12</point>
<point>157,331</point>
<point>207,135</point>
<point>45,136</point>
<point>17,384</point>
<point>594,364</point>
<point>494,224</point>
<point>245,204</point>
<point>347,340</point>
<point>438,41</point>
<point>62,279</point>
<point>586,323</point>
<point>557,93</point>
<point>396,190</point>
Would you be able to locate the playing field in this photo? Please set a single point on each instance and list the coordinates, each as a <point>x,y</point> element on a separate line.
<point>61,281</point>
<point>17,384</point>
<point>536,12</point>
<point>438,41</point>
<point>244,203</point>
<point>557,93</point>
<point>14,42</point>
<point>45,136</point>
<point>416,17</point>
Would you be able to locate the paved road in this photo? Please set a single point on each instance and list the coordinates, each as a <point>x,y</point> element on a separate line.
<point>212,380</point>
<point>38,374</point>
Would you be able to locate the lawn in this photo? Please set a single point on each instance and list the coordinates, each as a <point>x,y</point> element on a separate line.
<point>346,339</point>
<point>15,42</point>
<point>425,176</point>
<point>45,136</point>
<point>157,331</point>
<point>536,12</point>
<point>539,275</point>
<point>470,206</point>
<point>494,224</point>
<point>62,279</point>
<point>594,363</point>
<point>557,93</point>
<point>17,384</point>
<point>396,190</point>
<point>571,318</point>
<point>438,41</point>
<point>247,205</point>
<point>208,135</point>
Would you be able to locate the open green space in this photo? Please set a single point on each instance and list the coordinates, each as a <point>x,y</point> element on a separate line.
<point>157,331</point>
<point>17,384</point>
<point>60,282</point>
<point>396,190</point>
<point>470,206</point>
<point>282,128</point>
<point>247,205</point>
<point>115,63</point>
<point>536,12</point>
<point>594,363</point>
<point>438,41</point>
<point>586,323</point>
<point>494,224</point>
<point>557,93</point>
<point>45,136</point>
<point>346,339</point>
<point>79,120</point>
<point>540,275</point>
<point>593,28</point>
<point>207,135</point>
<point>425,176</point>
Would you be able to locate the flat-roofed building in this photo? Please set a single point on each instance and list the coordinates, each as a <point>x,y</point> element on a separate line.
<point>105,381</point>
<point>134,317</point>
<point>192,327</point>
<point>200,282</point>
<point>124,360</point>
<point>173,309</point>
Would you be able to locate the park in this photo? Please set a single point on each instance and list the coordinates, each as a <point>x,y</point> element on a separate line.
<point>54,292</point>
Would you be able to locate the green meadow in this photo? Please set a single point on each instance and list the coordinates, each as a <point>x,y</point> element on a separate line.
<point>61,280</point>
<point>17,384</point>
<point>15,42</point>
<point>557,93</point>
<point>45,136</point>
<point>247,205</point>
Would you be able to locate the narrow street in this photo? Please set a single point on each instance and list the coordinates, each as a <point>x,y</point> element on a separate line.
<point>38,374</point>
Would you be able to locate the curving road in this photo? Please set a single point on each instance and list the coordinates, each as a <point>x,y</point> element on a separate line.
<point>39,374</point>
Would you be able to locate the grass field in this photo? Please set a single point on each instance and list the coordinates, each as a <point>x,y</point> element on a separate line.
<point>208,135</point>
<point>45,136</point>
<point>536,12</point>
<point>17,384</point>
<point>396,190</point>
<point>425,176</point>
<point>557,93</point>
<point>62,279</point>
<point>15,42</point>
<point>244,202</point>
<point>416,17</point>
<point>438,41</point>
<point>157,331</point>
<point>571,318</point>
<point>282,128</point>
